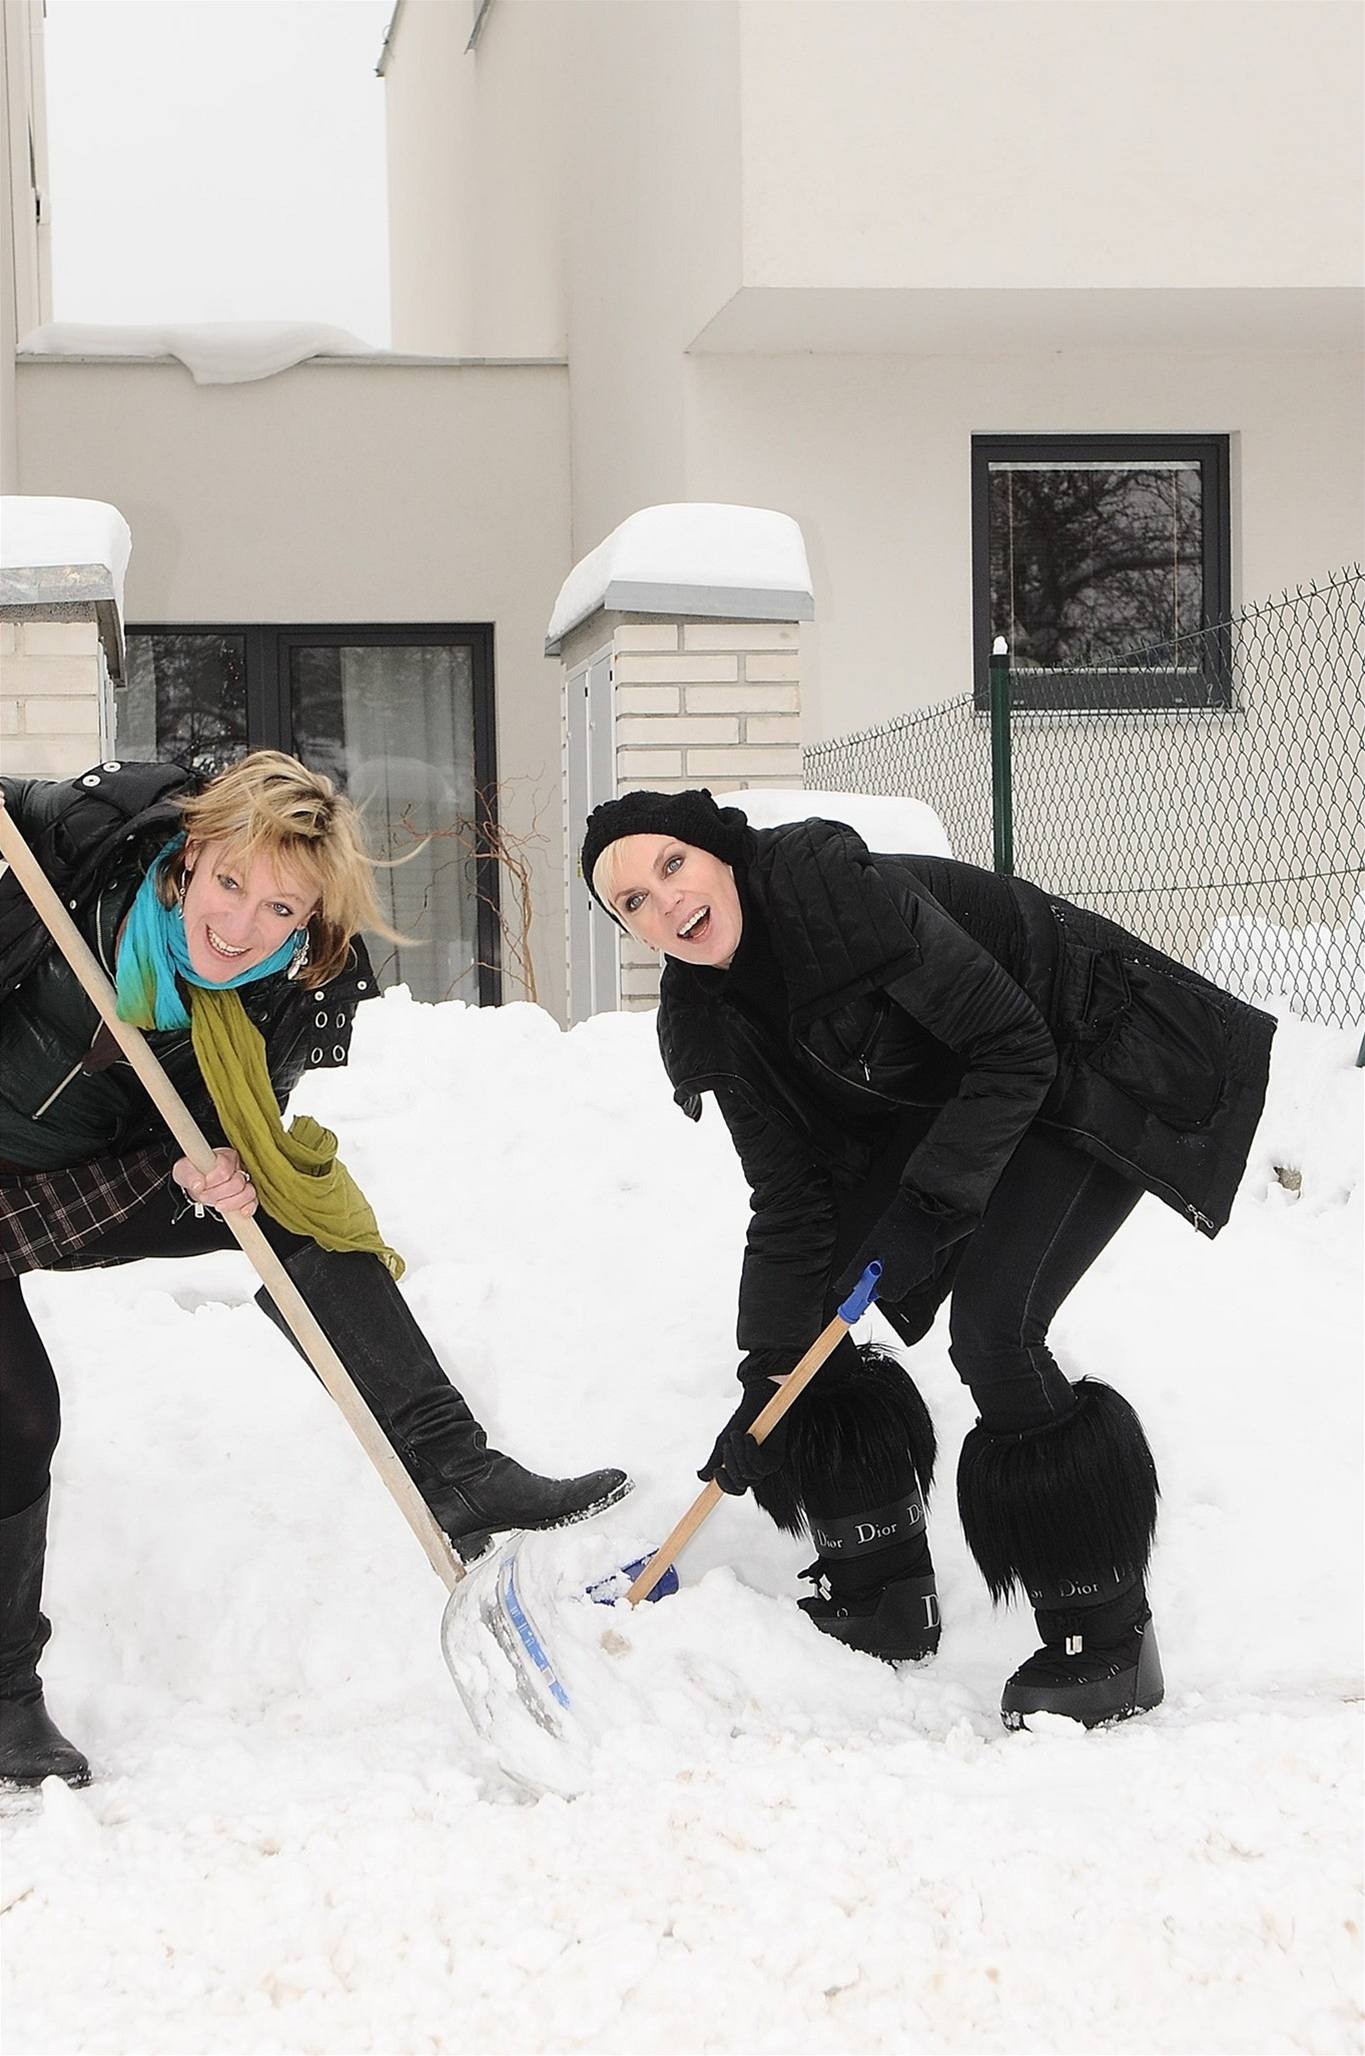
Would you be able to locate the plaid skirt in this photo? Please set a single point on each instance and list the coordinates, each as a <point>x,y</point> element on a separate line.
<point>49,1217</point>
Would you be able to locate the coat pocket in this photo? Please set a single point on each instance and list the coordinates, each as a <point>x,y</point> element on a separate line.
<point>1162,1042</point>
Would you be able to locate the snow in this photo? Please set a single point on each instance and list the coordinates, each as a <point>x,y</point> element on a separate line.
<point>214,352</point>
<point>695,544</point>
<point>890,825</point>
<point>35,531</point>
<point>295,1842</point>
<point>1265,963</point>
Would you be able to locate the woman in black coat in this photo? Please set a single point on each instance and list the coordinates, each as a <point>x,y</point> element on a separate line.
<point>973,1082</point>
<point>253,889</point>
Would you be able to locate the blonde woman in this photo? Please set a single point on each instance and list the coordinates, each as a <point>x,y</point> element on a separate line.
<point>229,918</point>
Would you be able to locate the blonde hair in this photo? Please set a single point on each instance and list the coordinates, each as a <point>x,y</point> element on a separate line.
<point>604,878</point>
<point>270,805</point>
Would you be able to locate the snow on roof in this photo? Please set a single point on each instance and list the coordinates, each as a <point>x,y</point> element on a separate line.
<point>891,826</point>
<point>36,532</point>
<point>214,352</point>
<point>737,563</point>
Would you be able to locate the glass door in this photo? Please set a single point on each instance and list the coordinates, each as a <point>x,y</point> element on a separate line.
<point>400,717</point>
<point>393,724</point>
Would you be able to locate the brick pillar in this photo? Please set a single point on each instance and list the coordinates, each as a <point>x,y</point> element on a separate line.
<point>681,645</point>
<point>55,707</point>
<point>714,703</point>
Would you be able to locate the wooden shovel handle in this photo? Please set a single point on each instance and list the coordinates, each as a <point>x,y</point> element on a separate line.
<point>267,1265</point>
<point>709,1498</point>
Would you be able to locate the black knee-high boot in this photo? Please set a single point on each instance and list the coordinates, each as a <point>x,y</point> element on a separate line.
<point>857,1469</point>
<point>1066,1513</point>
<point>471,1489</point>
<point>31,1747</point>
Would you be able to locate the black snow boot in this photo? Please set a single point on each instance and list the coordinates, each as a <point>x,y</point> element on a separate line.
<point>1099,1659</point>
<point>31,1747</point>
<point>874,1578</point>
<point>472,1490</point>
<point>1067,1513</point>
<point>858,1466</point>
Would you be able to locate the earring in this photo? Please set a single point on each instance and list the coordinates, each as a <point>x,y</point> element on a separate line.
<point>302,952</point>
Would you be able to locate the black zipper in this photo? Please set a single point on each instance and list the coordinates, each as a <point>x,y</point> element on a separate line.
<point>1141,1177</point>
<point>869,1088</point>
<point>878,1022</point>
<point>58,1090</point>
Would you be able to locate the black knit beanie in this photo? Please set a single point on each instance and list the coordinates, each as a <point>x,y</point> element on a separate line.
<point>691,816</point>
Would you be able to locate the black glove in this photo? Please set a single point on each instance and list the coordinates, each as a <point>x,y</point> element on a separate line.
<point>905,1241</point>
<point>737,1461</point>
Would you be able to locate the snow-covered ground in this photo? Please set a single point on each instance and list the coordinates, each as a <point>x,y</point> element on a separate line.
<point>296,1843</point>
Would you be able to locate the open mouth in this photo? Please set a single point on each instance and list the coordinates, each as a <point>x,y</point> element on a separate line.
<point>225,949</point>
<point>695,926</point>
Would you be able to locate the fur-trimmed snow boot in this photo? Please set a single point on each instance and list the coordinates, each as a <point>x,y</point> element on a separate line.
<point>1067,1513</point>
<point>472,1490</point>
<point>857,1469</point>
<point>31,1746</point>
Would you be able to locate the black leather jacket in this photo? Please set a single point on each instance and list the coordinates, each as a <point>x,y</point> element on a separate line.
<point>67,1096</point>
<point>937,1010</point>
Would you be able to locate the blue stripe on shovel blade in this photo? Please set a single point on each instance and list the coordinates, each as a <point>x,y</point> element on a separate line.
<point>526,1634</point>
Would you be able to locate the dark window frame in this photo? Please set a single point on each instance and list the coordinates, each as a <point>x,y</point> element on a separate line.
<point>1124,691</point>
<point>265,660</point>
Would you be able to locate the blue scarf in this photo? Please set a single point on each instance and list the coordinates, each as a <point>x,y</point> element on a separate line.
<point>153,952</point>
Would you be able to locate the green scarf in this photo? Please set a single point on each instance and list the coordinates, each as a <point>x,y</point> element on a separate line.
<point>301,1182</point>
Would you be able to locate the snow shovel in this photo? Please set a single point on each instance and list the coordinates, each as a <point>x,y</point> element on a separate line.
<point>493,1594</point>
<point>440,1552</point>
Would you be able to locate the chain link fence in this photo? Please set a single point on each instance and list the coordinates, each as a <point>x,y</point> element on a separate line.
<point>1225,826</point>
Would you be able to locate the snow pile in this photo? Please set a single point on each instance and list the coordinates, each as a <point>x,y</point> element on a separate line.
<point>214,352</point>
<point>296,1842</point>
<point>694,544</point>
<point>1266,963</point>
<point>1311,1126</point>
<point>890,825</point>
<point>35,531</point>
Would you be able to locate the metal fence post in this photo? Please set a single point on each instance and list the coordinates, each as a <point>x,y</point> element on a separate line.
<point>1002,799</point>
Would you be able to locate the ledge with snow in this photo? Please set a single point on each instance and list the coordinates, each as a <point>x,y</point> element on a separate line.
<point>213,352</point>
<point>62,568</point>
<point>693,558</point>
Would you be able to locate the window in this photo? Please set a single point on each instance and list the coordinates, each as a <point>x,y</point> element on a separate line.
<point>1101,560</point>
<point>400,718</point>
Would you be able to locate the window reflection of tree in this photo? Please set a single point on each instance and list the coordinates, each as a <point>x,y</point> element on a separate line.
<point>1093,562</point>
<point>200,683</point>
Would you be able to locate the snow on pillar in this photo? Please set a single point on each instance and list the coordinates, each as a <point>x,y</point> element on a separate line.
<point>62,565</point>
<point>679,638</point>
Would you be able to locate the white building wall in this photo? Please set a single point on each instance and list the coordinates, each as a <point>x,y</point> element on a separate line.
<point>872,454</point>
<point>346,491</point>
<point>653,237</point>
<point>810,249</point>
<point>25,268</point>
<point>476,189</point>
<point>572,182</point>
<point>1186,143</point>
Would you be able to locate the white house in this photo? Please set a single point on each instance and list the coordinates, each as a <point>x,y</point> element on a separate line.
<point>914,273</point>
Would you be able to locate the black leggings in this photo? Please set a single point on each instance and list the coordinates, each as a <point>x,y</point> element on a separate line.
<point>1048,1218</point>
<point>30,1405</point>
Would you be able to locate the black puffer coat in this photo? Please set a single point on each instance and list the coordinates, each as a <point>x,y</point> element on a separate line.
<point>938,1010</point>
<point>67,1096</point>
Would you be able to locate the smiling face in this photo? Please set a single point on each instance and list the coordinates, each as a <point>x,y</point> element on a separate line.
<point>237,914</point>
<point>674,897</point>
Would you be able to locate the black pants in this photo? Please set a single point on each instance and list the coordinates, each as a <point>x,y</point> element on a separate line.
<point>1049,1217</point>
<point>30,1405</point>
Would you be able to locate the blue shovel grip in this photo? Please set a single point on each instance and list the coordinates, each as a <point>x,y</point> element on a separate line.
<point>862,1295</point>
